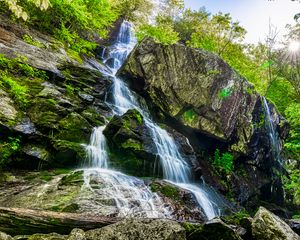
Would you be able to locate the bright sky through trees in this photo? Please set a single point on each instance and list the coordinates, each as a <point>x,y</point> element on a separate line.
<point>254,15</point>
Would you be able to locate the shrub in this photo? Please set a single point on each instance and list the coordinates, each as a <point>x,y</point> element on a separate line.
<point>18,92</point>
<point>8,148</point>
<point>223,162</point>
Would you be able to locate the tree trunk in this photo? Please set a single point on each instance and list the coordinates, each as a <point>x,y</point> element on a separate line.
<point>18,221</point>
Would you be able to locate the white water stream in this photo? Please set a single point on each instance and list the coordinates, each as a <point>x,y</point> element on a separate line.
<point>273,135</point>
<point>130,193</point>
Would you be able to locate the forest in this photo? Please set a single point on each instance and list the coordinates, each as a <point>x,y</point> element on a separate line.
<point>146,111</point>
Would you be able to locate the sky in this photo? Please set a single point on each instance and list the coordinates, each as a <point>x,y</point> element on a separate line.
<point>253,15</point>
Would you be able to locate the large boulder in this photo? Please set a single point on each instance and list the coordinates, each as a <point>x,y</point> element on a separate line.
<point>130,144</point>
<point>146,229</point>
<point>214,229</point>
<point>267,226</point>
<point>195,86</point>
<point>184,203</point>
<point>4,236</point>
<point>202,97</point>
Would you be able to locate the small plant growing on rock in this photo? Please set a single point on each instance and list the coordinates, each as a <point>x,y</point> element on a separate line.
<point>8,148</point>
<point>29,39</point>
<point>225,92</point>
<point>223,162</point>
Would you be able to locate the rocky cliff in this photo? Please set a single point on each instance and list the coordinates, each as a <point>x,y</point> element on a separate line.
<point>198,94</point>
<point>50,103</point>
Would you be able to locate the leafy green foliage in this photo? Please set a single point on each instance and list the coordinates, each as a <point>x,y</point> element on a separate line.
<point>134,10</point>
<point>161,33</point>
<point>27,38</point>
<point>18,92</point>
<point>292,186</point>
<point>19,12</point>
<point>8,148</point>
<point>293,143</point>
<point>13,75</point>
<point>225,92</point>
<point>223,162</point>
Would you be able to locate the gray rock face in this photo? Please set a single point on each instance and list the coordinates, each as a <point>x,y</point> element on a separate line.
<point>214,229</point>
<point>77,234</point>
<point>133,229</point>
<point>7,110</point>
<point>50,236</point>
<point>60,114</point>
<point>204,98</point>
<point>195,86</point>
<point>4,236</point>
<point>267,226</point>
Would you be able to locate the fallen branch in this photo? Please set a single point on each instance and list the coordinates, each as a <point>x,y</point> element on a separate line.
<point>17,221</point>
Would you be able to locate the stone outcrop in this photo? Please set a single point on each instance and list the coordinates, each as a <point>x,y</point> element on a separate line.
<point>267,226</point>
<point>63,105</point>
<point>214,229</point>
<point>202,97</point>
<point>130,144</point>
<point>139,229</point>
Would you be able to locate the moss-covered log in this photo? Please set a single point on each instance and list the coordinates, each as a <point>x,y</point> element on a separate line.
<point>16,221</point>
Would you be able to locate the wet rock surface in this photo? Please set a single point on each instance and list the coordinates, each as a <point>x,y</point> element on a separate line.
<point>199,95</point>
<point>63,106</point>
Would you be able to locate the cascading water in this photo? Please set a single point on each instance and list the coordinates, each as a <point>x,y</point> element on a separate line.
<point>96,150</point>
<point>273,135</point>
<point>130,195</point>
<point>175,168</point>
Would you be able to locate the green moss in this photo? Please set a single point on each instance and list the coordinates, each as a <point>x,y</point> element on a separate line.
<point>225,93</point>
<point>72,208</point>
<point>167,191</point>
<point>8,148</point>
<point>236,218</point>
<point>74,178</point>
<point>190,117</point>
<point>192,230</point>
<point>127,162</point>
<point>29,39</point>
<point>68,153</point>
<point>93,117</point>
<point>17,91</point>
<point>132,144</point>
<point>74,128</point>
<point>44,113</point>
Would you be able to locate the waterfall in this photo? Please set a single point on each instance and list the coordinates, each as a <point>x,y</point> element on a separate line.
<point>273,135</point>
<point>97,150</point>
<point>175,168</point>
<point>129,194</point>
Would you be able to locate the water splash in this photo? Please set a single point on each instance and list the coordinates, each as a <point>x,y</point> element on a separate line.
<point>128,195</point>
<point>175,168</point>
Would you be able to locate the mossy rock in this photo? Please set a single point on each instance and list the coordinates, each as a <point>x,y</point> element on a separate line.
<point>126,137</point>
<point>93,116</point>
<point>74,178</point>
<point>68,153</point>
<point>214,229</point>
<point>130,164</point>
<point>167,190</point>
<point>74,128</point>
<point>50,236</point>
<point>44,114</point>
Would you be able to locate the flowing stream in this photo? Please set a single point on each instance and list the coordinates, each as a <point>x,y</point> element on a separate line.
<point>175,169</point>
<point>273,135</point>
